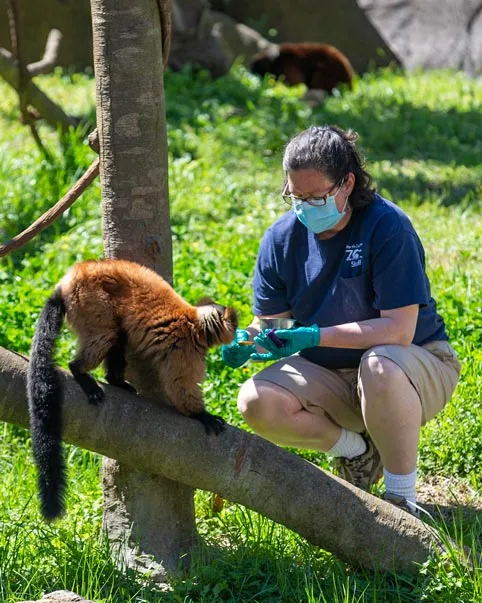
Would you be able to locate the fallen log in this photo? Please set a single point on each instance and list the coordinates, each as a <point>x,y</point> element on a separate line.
<point>358,528</point>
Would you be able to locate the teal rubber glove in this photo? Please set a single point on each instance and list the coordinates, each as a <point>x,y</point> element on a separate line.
<point>293,340</point>
<point>234,354</point>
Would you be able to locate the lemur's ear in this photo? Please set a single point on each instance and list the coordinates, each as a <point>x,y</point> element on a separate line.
<point>204,301</point>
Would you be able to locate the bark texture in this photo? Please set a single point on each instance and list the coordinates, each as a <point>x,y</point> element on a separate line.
<point>360,529</point>
<point>132,131</point>
<point>141,509</point>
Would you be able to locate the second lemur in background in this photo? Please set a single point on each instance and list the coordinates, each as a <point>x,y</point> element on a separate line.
<point>318,66</point>
<point>112,305</point>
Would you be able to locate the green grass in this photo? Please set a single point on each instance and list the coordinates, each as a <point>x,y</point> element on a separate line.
<point>422,136</point>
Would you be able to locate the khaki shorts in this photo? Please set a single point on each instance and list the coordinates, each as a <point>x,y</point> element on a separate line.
<point>433,369</point>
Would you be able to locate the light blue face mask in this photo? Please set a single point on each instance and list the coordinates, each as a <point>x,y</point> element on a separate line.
<point>318,219</point>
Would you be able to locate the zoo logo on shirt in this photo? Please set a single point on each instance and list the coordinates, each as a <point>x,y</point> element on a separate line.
<point>354,254</point>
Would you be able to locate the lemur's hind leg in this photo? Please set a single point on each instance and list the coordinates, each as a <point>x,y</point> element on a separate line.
<point>181,376</point>
<point>115,363</point>
<point>187,399</point>
<point>88,384</point>
<point>93,349</point>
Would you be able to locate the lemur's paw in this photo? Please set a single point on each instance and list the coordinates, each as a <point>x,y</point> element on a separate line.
<point>123,385</point>
<point>212,423</point>
<point>96,396</point>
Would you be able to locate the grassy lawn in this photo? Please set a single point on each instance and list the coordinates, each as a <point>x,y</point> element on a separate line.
<point>422,137</point>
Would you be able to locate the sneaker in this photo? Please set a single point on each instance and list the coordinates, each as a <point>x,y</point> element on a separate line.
<point>402,503</point>
<point>362,471</point>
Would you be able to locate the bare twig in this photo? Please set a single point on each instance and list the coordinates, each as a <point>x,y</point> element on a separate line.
<point>49,111</point>
<point>13,27</point>
<point>48,61</point>
<point>52,214</point>
<point>36,136</point>
<point>23,75</point>
<point>19,76</point>
<point>94,143</point>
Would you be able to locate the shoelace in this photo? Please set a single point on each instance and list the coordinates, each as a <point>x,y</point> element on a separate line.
<point>420,509</point>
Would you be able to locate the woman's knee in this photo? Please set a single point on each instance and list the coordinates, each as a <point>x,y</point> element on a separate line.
<point>259,402</point>
<point>379,374</point>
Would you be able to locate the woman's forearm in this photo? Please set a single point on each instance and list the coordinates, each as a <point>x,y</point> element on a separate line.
<point>365,334</point>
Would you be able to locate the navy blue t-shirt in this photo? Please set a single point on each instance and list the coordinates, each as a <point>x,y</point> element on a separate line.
<point>375,263</point>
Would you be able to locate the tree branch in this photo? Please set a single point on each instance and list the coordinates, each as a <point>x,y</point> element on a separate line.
<point>23,74</point>
<point>49,111</point>
<point>48,61</point>
<point>360,529</point>
<point>54,212</point>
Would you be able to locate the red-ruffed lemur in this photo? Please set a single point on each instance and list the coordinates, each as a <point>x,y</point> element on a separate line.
<point>111,305</point>
<point>318,66</point>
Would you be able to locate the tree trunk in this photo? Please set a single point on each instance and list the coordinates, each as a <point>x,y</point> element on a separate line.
<point>131,123</point>
<point>145,508</point>
<point>360,529</point>
<point>144,516</point>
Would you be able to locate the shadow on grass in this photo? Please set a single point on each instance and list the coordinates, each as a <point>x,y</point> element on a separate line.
<point>261,572</point>
<point>390,129</point>
<point>423,188</point>
<point>401,130</point>
<point>393,131</point>
<point>458,521</point>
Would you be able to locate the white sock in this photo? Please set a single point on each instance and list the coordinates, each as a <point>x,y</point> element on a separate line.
<point>402,485</point>
<point>349,445</point>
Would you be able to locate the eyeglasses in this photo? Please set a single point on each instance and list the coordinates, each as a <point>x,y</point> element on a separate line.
<point>316,201</point>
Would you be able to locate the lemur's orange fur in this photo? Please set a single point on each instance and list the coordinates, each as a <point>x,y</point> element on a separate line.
<point>116,306</point>
<point>319,66</point>
<point>155,319</point>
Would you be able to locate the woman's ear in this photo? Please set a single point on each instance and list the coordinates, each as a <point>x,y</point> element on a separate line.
<point>349,184</point>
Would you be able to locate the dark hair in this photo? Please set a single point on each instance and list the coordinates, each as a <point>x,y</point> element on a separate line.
<point>330,150</point>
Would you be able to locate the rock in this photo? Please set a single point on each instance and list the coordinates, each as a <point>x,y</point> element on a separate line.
<point>60,596</point>
<point>193,40</point>
<point>430,34</point>
<point>237,39</point>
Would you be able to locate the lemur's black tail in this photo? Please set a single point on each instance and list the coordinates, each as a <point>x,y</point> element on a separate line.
<point>44,390</point>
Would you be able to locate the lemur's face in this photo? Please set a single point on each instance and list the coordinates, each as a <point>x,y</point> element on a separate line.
<point>218,322</point>
<point>230,323</point>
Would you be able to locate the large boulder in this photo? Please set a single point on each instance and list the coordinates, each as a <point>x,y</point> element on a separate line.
<point>193,40</point>
<point>430,33</point>
<point>338,22</point>
<point>415,33</point>
<point>237,40</point>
